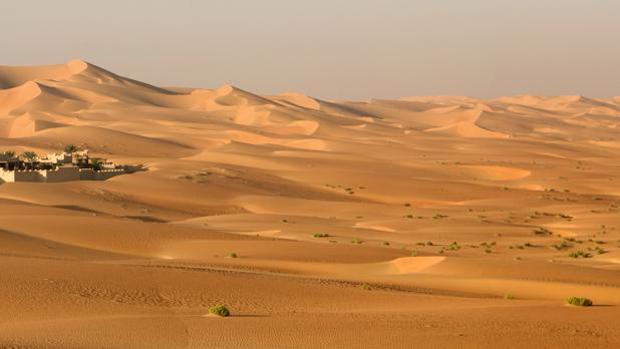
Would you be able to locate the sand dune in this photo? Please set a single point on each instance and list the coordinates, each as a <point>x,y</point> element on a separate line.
<point>299,100</point>
<point>497,173</point>
<point>439,221</point>
<point>17,96</point>
<point>15,76</point>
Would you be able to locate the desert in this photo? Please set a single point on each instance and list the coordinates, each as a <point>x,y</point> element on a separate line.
<point>418,222</point>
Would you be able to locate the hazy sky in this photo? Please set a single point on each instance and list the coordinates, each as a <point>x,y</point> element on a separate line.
<point>352,49</point>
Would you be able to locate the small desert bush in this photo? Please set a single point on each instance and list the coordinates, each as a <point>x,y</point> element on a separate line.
<point>542,231</point>
<point>488,244</point>
<point>579,301</point>
<point>232,255</point>
<point>600,250</point>
<point>219,310</point>
<point>321,235</point>
<point>453,246</point>
<point>509,296</point>
<point>365,287</point>
<point>580,254</point>
<point>562,245</point>
<point>356,241</point>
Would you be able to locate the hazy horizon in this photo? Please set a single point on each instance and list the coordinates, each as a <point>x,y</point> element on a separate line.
<point>350,50</point>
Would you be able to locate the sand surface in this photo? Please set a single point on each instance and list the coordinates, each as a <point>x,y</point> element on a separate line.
<point>433,207</point>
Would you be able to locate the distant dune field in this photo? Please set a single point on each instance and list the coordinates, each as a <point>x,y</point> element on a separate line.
<point>435,222</point>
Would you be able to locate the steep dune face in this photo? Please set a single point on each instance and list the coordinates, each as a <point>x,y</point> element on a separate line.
<point>16,97</point>
<point>14,76</point>
<point>423,213</point>
<point>465,124</point>
<point>299,100</point>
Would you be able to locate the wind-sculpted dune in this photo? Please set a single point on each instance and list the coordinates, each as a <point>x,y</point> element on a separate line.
<point>440,221</point>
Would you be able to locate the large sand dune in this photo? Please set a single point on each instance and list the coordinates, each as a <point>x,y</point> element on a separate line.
<point>430,210</point>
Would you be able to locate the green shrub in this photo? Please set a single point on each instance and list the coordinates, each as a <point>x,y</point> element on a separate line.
<point>488,244</point>
<point>232,255</point>
<point>509,296</point>
<point>542,231</point>
<point>562,245</point>
<point>356,241</point>
<point>219,310</point>
<point>453,246</point>
<point>579,301</point>
<point>365,287</point>
<point>600,250</point>
<point>580,254</point>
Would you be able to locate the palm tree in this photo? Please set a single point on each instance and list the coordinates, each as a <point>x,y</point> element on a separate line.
<point>30,157</point>
<point>7,155</point>
<point>70,149</point>
<point>97,163</point>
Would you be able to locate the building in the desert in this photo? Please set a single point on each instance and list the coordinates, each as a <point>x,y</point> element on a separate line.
<point>55,167</point>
